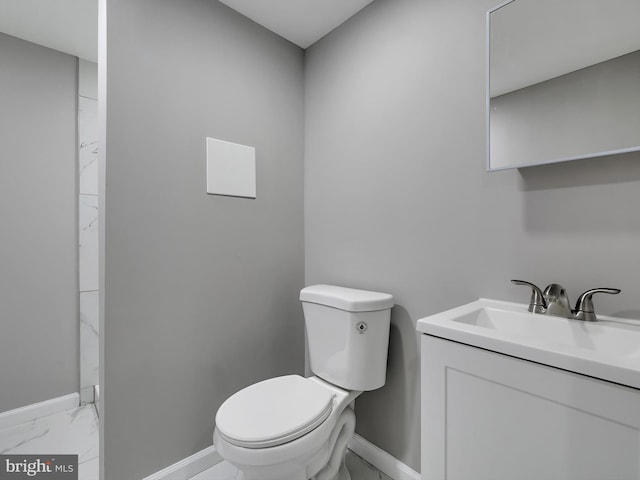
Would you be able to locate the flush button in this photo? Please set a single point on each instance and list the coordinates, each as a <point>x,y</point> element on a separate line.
<point>361,327</point>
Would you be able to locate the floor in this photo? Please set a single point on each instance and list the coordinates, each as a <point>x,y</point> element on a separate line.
<point>74,431</point>
<point>358,468</point>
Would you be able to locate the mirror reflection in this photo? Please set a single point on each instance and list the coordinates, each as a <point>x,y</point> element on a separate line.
<point>564,80</point>
<point>49,274</point>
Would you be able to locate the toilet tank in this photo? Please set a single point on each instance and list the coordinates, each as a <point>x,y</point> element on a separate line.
<point>347,335</point>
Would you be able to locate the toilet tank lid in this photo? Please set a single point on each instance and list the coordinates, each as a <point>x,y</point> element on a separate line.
<point>348,299</point>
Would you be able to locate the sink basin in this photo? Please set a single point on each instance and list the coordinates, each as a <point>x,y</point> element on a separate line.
<point>608,349</point>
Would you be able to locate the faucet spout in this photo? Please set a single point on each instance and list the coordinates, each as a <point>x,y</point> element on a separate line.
<point>557,301</point>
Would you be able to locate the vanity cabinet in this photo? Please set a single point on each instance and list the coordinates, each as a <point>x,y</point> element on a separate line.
<point>491,416</point>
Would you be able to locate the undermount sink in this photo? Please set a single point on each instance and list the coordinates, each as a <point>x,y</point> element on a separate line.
<point>608,349</point>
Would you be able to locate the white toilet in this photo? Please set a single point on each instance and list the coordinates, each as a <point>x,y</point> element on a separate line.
<point>295,428</point>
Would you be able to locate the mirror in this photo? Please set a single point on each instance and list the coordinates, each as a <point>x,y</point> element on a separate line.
<point>49,277</point>
<point>563,81</point>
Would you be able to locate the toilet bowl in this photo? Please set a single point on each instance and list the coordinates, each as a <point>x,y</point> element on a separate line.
<point>263,452</point>
<point>296,428</point>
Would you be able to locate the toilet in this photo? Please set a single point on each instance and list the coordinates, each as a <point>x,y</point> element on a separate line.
<point>296,428</point>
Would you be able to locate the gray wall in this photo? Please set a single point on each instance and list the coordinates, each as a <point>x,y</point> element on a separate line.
<point>397,198</point>
<point>38,210</point>
<point>201,291</point>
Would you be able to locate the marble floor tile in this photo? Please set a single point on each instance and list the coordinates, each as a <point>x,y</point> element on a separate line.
<point>362,470</point>
<point>221,471</point>
<point>74,431</point>
<point>358,468</point>
<point>89,470</point>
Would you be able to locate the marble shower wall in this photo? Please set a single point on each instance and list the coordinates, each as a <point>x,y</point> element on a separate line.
<point>88,229</point>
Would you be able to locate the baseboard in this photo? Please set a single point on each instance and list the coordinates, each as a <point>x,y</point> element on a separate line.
<point>38,410</point>
<point>380,459</point>
<point>188,467</point>
<point>207,458</point>
<point>87,395</point>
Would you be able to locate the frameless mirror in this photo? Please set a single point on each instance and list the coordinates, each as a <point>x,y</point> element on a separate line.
<point>563,80</point>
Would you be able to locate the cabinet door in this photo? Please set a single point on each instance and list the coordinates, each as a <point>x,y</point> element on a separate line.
<point>488,416</point>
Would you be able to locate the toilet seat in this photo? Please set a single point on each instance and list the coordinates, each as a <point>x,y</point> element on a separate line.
<point>273,412</point>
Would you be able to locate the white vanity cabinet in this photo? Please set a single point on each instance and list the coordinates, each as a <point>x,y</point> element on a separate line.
<point>491,416</point>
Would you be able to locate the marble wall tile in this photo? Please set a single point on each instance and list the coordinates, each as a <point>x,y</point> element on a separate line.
<point>88,238</point>
<point>89,353</point>
<point>88,145</point>
<point>88,235</point>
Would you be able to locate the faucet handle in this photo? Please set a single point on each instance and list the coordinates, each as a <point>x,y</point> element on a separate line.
<point>536,303</point>
<point>584,306</point>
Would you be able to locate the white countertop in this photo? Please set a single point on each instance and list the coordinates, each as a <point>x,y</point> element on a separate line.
<point>608,349</point>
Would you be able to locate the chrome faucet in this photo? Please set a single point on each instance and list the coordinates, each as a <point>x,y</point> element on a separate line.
<point>555,301</point>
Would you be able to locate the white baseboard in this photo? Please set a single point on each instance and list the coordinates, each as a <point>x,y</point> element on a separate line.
<point>87,395</point>
<point>207,458</point>
<point>38,410</point>
<point>380,459</point>
<point>188,467</point>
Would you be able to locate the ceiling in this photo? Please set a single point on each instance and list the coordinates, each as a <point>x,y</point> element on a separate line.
<point>71,26</point>
<point>302,22</point>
